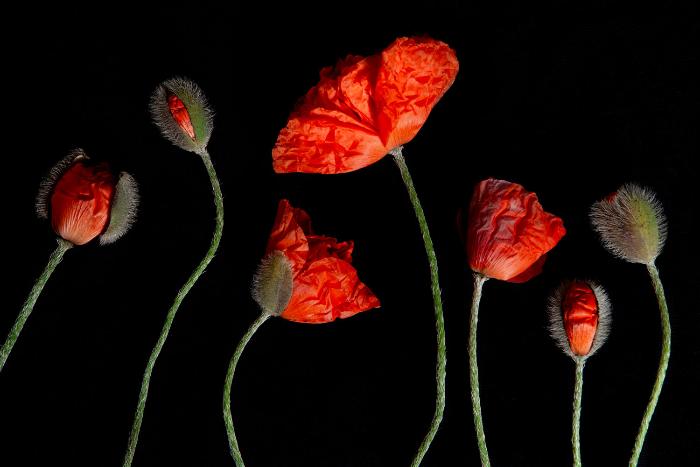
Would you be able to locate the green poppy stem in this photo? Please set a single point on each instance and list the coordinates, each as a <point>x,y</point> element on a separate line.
<point>474,370</point>
<point>576,421</point>
<point>228,418</point>
<point>54,259</point>
<point>199,270</point>
<point>440,372</point>
<point>663,364</point>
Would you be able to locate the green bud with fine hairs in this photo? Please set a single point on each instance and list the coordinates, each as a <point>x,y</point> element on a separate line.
<point>272,283</point>
<point>631,224</point>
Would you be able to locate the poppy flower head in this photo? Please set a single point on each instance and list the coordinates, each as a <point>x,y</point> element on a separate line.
<point>180,109</point>
<point>325,286</point>
<point>85,200</point>
<point>363,108</point>
<point>579,318</point>
<point>631,224</point>
<point>508,233</point>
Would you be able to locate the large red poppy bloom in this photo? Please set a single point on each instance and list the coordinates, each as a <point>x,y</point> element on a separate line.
<point>580,315</point>
<point>81,202</point>
<point>509,233</point>
<point>325,285</point>
<point>365,107</point>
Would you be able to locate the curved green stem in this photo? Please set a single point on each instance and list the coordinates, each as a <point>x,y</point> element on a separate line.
<point>54,259</point>
<point>474,370</point>
<point>576,421</point>
<point>663,364</point>
<point>228,418</point>
<point>440,371</point>
<point>216,239</point>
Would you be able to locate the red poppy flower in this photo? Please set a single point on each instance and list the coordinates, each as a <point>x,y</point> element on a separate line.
<point>80,203</point>
<point>579,317</point>
<point>84,200</point>
<point>365,107</point>
<point>580,312</point>
<point>509,233</point>
<point>325,285</point>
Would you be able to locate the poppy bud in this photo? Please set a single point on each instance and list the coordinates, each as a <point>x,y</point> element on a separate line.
<point>181,111</point>
<point>273,283</point>
<point>85,200</point>
<point>631,224</point>
<point>579,318</point>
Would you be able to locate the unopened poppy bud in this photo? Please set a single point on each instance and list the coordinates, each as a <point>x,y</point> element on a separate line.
<point>180,110</point>
<point>85,200</point>
<point>273,283</point>
<point>631,224</point>
<point>579,318</point>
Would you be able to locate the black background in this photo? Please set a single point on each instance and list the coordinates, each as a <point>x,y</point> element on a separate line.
<point>569,102</point>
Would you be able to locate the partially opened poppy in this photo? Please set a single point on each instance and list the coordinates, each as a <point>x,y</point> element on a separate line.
<point>507,237</point>
<point>181,112</point>
<point>509,233</point>
<point>632,226</point>
<point>83,200</point>
<point>361,110</point>
<point>579,322</point>
<point>304,277</point>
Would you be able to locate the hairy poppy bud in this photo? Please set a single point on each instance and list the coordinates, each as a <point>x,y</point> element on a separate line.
<point>579,317</point>
<point>273,283</point>
<point>180,110</point>
<point>631,224</point>
<point>85,200</point>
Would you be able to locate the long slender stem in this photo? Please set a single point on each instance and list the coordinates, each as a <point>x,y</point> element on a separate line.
<point>663,363</point>
<point>474,370</point>
<point>440,371</point>
<point>576,421</point>
<point>228,418</point>
<point>216,239</point>
<point>54,259</point>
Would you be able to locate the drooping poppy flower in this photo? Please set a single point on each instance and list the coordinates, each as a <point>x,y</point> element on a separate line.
<point>304,277</point>
<point>84,201</point>
<point>632,226</point>
<point>508,232</point>
<point>507,236</point>
<point>325,285</point>
<point>181,112</point>
<point>579,322</point>
<point>363,108</point>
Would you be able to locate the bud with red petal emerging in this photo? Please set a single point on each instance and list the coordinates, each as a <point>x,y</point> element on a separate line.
<point>579,318</point>
<point>181,111</point>
<point>631,224</point>
<point>85,200</point>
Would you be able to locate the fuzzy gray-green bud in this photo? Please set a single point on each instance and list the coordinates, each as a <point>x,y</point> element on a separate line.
<point>273,283</point>
<point>631,224</point>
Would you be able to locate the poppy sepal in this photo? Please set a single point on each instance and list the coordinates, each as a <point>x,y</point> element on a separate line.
<point>273,283</point>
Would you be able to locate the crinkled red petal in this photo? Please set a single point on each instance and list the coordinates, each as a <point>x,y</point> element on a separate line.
<point>326,290</point>
<point>81,202</point>
<point>580,311</point>
<point>508,230</point>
